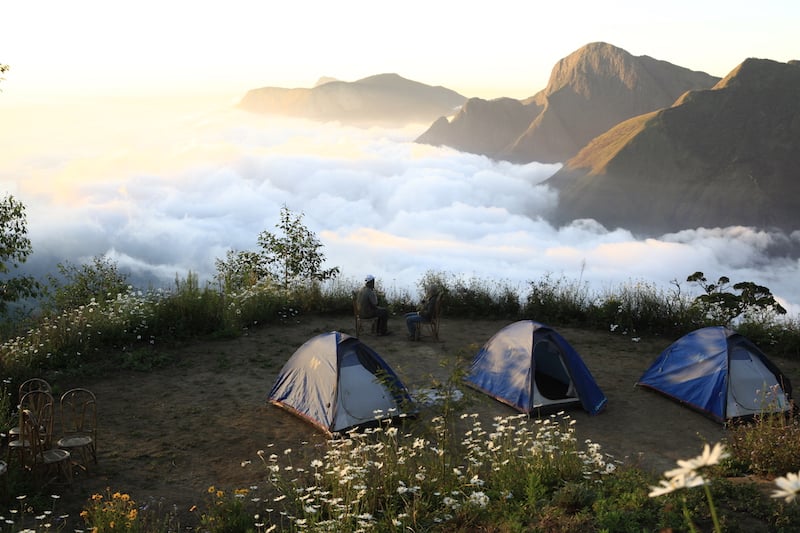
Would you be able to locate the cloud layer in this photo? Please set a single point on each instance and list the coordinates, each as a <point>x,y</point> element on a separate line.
<point>167,196</point>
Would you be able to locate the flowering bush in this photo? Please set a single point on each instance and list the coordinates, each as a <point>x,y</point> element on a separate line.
<point>115,512</point>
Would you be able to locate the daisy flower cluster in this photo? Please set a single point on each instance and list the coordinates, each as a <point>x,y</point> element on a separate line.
<point>384,478</point>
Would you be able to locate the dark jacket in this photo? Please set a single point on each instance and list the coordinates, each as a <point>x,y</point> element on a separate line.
<point>367,301</point>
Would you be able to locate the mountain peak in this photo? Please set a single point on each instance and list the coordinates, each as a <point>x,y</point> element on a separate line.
<point>718,157</point>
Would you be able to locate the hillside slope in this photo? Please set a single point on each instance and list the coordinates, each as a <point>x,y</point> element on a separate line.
<point>725,156</point>
<point>589,91</point>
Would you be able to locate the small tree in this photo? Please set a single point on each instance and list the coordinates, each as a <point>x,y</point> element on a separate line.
<point>15,247</point>
<point>286,258</point>
<point>724,306</point>
<point>295,254</point>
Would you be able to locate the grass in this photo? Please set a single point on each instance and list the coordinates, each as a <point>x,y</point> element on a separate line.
<point>449,472</point>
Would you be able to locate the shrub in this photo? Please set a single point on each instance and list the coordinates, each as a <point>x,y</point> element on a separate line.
<point>227,514</point>
<point>641,307</point>
<point>112,512</point>
<point>768,445</point>
<point>115,512</point>
<point>78,285</point>
<point>552,300</point>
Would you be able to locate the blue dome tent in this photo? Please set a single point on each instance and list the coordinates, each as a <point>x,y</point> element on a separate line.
<point>719,373</point>
<point>531,367</point>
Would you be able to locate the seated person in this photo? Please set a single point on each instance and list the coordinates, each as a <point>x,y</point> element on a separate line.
<point>367,300</point>
<point>423,313</point>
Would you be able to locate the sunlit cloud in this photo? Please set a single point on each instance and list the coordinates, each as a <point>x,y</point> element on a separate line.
<point>169,194</point>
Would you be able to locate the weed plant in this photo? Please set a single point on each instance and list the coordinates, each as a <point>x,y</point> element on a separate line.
<point>769,445</point>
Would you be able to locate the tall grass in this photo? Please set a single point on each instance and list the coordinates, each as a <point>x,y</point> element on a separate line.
<point>90,334</point>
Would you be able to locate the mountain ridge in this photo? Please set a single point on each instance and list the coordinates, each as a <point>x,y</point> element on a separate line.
<point>725,156</point>
<point>380,99</point>
<point>646,145</point>
<point>589,91</point>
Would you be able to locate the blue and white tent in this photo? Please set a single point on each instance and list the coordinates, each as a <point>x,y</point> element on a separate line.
<point>720,373</point>
<point>336,382</point>
<point>531,367</point>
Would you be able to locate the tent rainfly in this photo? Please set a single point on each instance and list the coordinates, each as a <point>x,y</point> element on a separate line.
<point>336,382</point>
<point>531,367</point>
<point>719,373</point>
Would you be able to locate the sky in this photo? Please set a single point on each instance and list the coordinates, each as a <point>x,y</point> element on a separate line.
<point>483,49</point>
<point>119,135</point>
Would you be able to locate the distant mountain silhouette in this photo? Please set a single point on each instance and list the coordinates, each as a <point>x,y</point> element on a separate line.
<point>485,127</point>
<point>591,90</point>
<point>381,99</point>
<point>725,156</point>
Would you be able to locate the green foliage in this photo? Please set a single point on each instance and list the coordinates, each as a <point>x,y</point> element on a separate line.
<point>780,338</point>
<point>558,301</point>
<point>112,512</point>
<point>426,477</point>
<point>289,258</point>
<point>117,512</point>
<point>471,297</point>
<point>722,306</point>
<point>639,307</point>
<point>8,403</point>
<point>622,504</point>
<point>240,271</point>
<point>78,285</point>
<point>189,311</point>
<point>293,256</point>
<point>767,445</point>
<point>15,247</point>
<point>227,513</point>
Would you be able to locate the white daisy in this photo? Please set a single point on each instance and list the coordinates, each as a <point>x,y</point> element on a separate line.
<point>789,487</point>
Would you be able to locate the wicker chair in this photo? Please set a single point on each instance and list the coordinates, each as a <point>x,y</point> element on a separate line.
<point>42,408</point>
<point>31,385</point>
<point>39,458</point>
<point>79,426</point>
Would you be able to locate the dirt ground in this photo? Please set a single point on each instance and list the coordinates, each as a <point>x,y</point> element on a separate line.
<point>169,434</point>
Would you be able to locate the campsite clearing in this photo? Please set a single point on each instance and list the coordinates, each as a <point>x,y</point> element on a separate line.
<point>169,434</point>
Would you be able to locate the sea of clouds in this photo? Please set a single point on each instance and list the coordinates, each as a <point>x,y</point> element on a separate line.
<point>164,195</point>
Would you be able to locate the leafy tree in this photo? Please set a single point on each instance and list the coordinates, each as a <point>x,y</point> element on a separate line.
<point>724,306</point>
<point>78,285</point>
<point>295,255</point>
<point>287,257</point>
<point>15,247</point>
<point>240,270</point>
<point>3,68</point>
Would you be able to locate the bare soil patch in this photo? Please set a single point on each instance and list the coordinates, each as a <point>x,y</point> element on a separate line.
<point>169,434</point>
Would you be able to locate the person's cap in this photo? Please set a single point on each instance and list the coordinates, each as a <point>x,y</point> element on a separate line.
<point>369,278</point>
